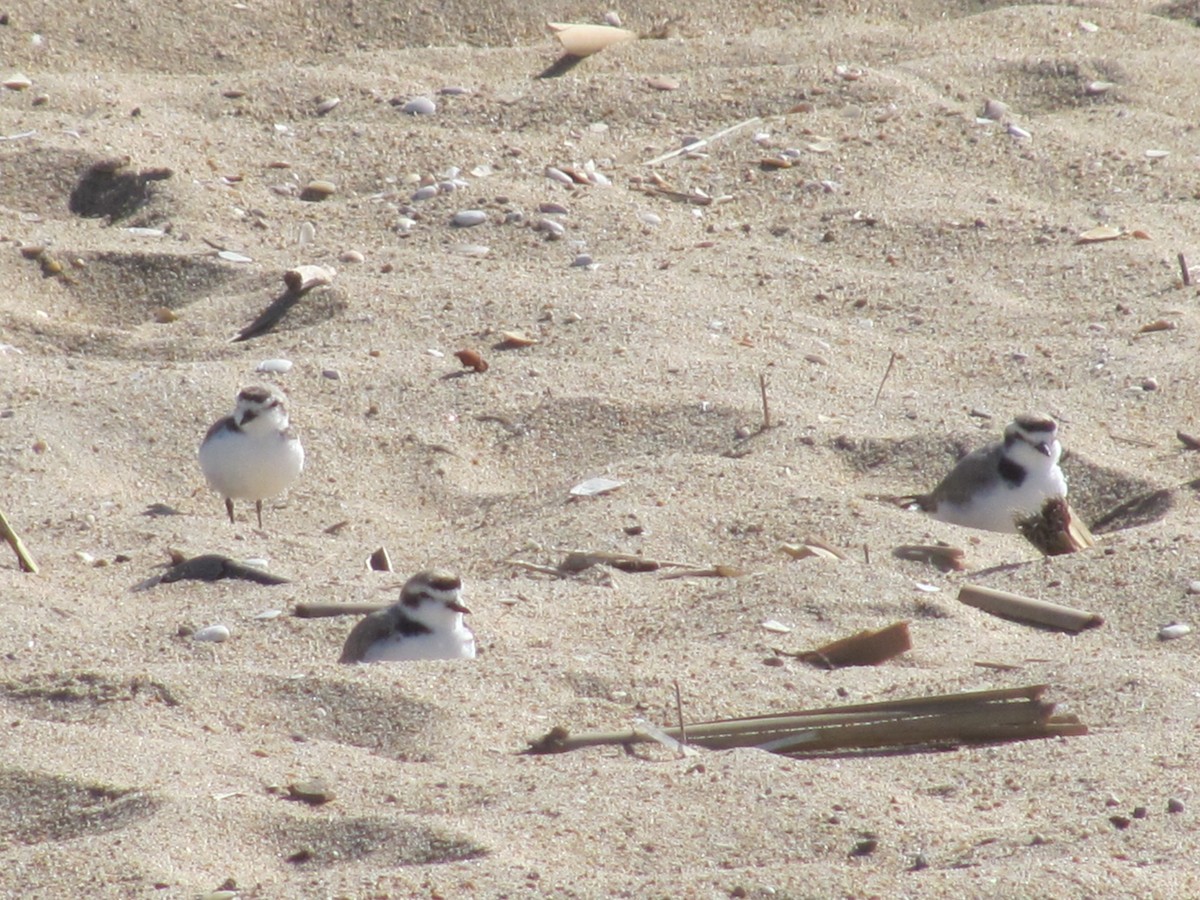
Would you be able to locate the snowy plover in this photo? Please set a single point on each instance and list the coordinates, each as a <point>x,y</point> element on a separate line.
<point>252,455</point>
<point>426,623</point>
<point>994,486</point>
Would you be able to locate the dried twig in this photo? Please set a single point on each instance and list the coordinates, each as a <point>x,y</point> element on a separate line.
<point>891,364</point>
<point>24,560</point>
<point>703,142</point>
<point>766,409</point>
<point>1185,271</point>
<point>320,610</point>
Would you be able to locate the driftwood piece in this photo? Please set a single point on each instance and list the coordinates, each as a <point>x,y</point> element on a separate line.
<point>990,716</point>
<point>867,648</point>
<point>24,560</point>
<point>1027,609</point>
<point>319,610</point>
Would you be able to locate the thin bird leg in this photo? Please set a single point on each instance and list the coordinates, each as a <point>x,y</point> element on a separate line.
<point>258,509</point>
<point>229,508</point>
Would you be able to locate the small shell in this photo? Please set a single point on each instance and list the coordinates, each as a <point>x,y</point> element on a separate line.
<point>351,256</point>
<point>476,250</point>
<point>419,106</point>
<point>1157,154</point>
<point>469,218</point>
<point>584,40</point>
<point>1096,88</point>
<point>1173,630</point>
<point>595,486</point>
<point>556,174</point>
<point>662,84</point>
<point>516,339</point>
<point>231,256</point>
<point>17,82</point>
<point>1099,233</point>
<point>328,105</point>
<point>316,191</point>
<point>472,359</point>
<point>582,261</point>
<point>776,627</point>
<point>213,634</point>
<point>553,209</point>
<point>1018,132</point>
<point>553,230</point>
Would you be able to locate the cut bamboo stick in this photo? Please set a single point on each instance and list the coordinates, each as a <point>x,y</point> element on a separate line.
<point>1027,609</point>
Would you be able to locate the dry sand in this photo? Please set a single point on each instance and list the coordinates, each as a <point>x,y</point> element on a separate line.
<point>136,762</point>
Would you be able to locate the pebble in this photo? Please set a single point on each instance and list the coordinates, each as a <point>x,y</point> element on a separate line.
<point>649,218</point>
<point>428,192</point>
<point>1149,384</point>
<point>313,791</point>
<point>994,110</point>
<point>454,90</point>
<point>553,209</point>
<point>213,634</point>
<point>419,106</point>
<point>1018,132</point>
<point>277,366</point>
<point>1173,630</point>
<point>1174,805</point>
<point>582,261</point>
<point>351,256</point>
<point>331,374</point>
<point>327,106</point>
<point>469,218</point>
<point>1193,587</point>
<point>554,230</point>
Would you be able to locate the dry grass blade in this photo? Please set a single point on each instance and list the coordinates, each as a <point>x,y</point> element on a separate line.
<point>24,560</point>
<point>867,648</point>
<point>978,717</point>
<point>318,610</point>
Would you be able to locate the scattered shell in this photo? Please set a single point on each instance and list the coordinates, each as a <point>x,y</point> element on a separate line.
<point>472,359</point>
<point>553,209</point>
<point>554,230</point>
<point>1089,27</point>
<point>927,588</point>
<point>516,339</point>
<point>555,174</point>
<point>1096,88</point>
<point>994,110</point>
<point>327,106</point>
<point>1100,233</point>
<point>351,256</point>
<point>419,106</point>
<point>776,627</point>
<point>380,561</point>
<point>305,233</point>
<point>477,250</point>
<point>17,82</point>
<point>454,90</point>
<point>213,634</point>
<point>1193,587</point>
<point>164,315</point>
<point>582,261</point>
<point>613,18</point>
<point>427,192</point>
<point>1157,154</point>
<point>1149,384</point>
<point>1173,630</point>
<point>593,487</point>
<point>267,614</point>
<point>1018,132</point>
<point>662,84</point>
<point>231,256</point>
<point>649,218</point>
<point>848,73</point>
<point>302,279</point>
<point>145,232</point>
<point>584,40</point>
<point>468,218</point>
<point>316,191</point>
<point>819,550</point>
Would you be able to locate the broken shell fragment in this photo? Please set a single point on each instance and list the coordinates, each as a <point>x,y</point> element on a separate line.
<point>302,279</point>
<point>472,359</point>
<point>584,40</point>
<point>17,82</point>
<point>315,191</point>
<point>513,339</point>
<point>419,106</point>
<point>1173,630</point>
<point>213,634</point>
<point>1099,233</point>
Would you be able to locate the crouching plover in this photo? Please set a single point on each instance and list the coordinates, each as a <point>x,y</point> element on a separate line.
<point>252,454</point>
<point>426,623</point>
<point>994,486</point>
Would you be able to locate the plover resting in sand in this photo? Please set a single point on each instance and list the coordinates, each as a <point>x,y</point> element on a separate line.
<point>252,454</point>
<point>426,623</point>
<point>994,486</point>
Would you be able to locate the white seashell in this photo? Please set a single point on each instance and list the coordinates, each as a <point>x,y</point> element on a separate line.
<point>17,82</point>
<point>230,256</point>
<point>595,486</point>
<point>649,218</point>
<point>419,106</point>
<point>1017,131</point>
<point>1089,27</point>
<point>584,40</point>
<point>477,250</point>
<point>1096,88</point>
<point>305,233</point>
<point>327,106</point>
<point>1157,154</point>
<point>351,256</point>
<point>554,230</point>
<point>926,588</point>
<point>212,634</point>
<point>145,232</point>
<point>1173,630</point>
<point>773,625</point>
<point>276,366</point>
<point>560,176</point>
<point>267,614</point>
<point>469,218</point>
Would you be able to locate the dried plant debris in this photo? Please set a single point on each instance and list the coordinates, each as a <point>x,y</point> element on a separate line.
<point>576,561</point>
<point>981,717</point>
<point>867,648</point>
<point>813,547</point>
<point>24,560</point>
<point>1027,609</point>
<point>211,567</point>
<point>298,282</point>
<point>1056,529</point>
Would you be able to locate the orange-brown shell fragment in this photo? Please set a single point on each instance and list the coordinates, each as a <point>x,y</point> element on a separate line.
<point>472,359</point>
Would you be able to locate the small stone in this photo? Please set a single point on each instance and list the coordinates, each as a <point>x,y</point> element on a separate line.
<point>1174,805</point>
<point>865,847</point>
<point>275,366</point>
<point>1149,384</point>
<point>1173,630</point>
<point>419,106</point>
<point>212,634</point>
<point>313,791</point>
<point>351,256</point>
<point>583,261</point>
<point>1140,812</point>
<point>1120,822</point>
<point>327,106</point>
<point>469,218</point>
<point>1193,587</point>
<point>428,192</point>
<point>994,110</point>
<point>331,374</point>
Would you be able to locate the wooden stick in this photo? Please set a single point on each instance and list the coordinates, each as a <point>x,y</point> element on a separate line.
<point>891,364</point>
<point>766,409</point>
<point>1026,609</point>
<point>319,610</point>
<point>703,142</point>
<point>1185,270</point>
<point>24,560</point>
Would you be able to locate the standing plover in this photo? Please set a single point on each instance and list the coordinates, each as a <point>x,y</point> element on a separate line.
<point>994,486</point>
<point>426,623</point>
<point>252,454</point>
